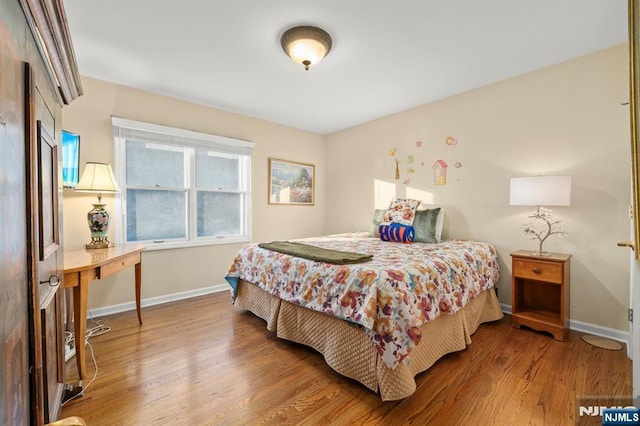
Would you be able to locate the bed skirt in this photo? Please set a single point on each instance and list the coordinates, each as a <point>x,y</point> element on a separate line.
<point>347,349</point>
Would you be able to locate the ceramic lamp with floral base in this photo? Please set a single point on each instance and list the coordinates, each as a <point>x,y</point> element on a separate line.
<point>98,177</point>
<point>99,220</point>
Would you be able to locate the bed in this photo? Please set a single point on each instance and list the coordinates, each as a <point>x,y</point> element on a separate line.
<point>380,322</point>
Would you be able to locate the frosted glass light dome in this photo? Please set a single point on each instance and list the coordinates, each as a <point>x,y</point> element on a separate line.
<point>306,45</point>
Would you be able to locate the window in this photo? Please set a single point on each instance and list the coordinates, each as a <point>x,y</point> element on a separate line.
<point>179,187</point>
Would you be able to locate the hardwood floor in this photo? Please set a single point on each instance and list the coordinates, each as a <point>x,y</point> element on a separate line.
<point>202,362</point>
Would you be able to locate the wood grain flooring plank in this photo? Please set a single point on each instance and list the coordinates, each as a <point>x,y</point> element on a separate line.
<point>202,361</point>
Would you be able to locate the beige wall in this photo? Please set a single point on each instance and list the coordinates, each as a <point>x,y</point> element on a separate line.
<point>566,119</point>
<point>178,270</point>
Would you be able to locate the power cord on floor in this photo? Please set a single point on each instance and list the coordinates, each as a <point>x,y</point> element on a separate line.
<point>95,374</point>
<point>98,330</point>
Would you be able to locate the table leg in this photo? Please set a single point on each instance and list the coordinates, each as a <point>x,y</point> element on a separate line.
<point>80,296</point>
<point>68,308</point>
<point>138,289</point>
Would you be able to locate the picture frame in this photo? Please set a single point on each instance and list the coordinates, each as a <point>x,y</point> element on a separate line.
<point>291,182</point>
<point>70,159</point>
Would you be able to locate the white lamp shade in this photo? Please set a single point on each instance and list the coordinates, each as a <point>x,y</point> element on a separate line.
<point>97,177</point>
<point>540,191</point>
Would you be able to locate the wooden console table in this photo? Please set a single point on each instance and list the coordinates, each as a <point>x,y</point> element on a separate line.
<point>81,266</point>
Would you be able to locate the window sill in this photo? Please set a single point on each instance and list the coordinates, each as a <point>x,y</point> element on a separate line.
<point>152,246</point>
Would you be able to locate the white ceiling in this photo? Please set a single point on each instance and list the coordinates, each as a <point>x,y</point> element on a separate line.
<point>387,56</point>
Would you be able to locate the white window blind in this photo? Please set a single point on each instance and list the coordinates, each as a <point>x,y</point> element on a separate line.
<point>180,187</point>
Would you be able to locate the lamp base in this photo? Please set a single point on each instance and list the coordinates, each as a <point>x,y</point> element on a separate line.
<point>540,253</point>
<point>98,245</point>
<point>98,219</point>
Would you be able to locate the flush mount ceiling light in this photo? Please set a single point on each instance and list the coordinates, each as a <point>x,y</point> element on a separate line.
<point>306,45</point>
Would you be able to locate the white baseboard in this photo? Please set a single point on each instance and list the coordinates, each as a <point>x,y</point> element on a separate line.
<point>585,327</point>
<point>158,300</point>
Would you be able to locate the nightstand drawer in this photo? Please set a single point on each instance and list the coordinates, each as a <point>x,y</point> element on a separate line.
<point>538,270</point>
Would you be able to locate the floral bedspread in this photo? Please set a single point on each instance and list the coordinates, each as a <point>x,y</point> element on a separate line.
<point>392,296</point>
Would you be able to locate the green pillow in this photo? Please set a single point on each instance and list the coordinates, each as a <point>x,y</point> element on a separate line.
<point>378,214</point>
<point>425,225</point>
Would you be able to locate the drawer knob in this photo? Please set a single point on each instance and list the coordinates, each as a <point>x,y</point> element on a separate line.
<point>536,270</point>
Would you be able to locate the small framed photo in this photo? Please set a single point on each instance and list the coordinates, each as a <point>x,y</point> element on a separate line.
<point>70,159</point>
<point>291,182</point>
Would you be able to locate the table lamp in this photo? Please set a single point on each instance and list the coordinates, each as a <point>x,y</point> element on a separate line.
<point>541,191</point>
<point>98,177</point>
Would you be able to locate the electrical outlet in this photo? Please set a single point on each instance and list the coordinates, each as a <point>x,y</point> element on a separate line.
<point>69,351</point>
<point>70,348</point>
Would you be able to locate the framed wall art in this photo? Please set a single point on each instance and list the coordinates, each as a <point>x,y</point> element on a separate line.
<point>70,159</point>
<point>291,182</point>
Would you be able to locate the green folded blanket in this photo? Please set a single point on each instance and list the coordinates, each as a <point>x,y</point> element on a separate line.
<point>316,253</point>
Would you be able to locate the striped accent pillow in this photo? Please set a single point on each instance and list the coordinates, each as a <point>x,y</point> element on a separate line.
<point>396,232</point>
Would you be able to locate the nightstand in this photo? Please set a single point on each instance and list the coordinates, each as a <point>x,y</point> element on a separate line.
<point>540,292</point>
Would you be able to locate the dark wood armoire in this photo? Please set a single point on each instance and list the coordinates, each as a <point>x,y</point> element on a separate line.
<point>38,76</point>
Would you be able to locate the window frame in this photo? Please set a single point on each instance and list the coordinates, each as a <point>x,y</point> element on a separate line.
<point>191,141</point>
